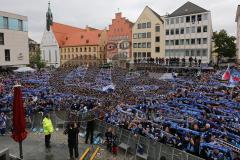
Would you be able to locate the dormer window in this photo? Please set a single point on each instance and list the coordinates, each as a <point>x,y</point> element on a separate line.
<point>87,41</point>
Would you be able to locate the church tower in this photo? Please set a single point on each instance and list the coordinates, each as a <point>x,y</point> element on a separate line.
<point>49,17</point>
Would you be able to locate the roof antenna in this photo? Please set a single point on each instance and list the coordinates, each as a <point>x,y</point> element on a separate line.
<point>118,10</point>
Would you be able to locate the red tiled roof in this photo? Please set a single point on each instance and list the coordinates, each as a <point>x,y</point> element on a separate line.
<point>71,36</point>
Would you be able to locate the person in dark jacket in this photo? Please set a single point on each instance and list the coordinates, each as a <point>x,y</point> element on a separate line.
<point>90,130</point>
<point>72,132</point>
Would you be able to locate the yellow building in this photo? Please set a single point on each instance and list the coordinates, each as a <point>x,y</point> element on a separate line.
<point>148,36</point>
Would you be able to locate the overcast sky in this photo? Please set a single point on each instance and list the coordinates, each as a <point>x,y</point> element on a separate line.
<point>98,13</point>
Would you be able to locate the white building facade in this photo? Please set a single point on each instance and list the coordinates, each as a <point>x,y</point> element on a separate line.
<point>49,47</point>
<point>188,33</point>
<point>238,33</point>
<point>50,52</point>
<point>13,40</point>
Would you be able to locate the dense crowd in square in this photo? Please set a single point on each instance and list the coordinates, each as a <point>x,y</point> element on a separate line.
<point>198,114</point>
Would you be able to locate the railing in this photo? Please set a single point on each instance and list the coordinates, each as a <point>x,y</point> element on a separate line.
<point>153,149</point>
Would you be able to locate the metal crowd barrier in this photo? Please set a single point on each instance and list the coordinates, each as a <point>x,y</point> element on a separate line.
<point>153,150</point>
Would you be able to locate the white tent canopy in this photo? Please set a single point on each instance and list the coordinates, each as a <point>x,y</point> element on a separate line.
<point>24,69</point>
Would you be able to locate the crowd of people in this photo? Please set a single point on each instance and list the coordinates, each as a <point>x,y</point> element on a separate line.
<point>199,115</point>
<point>172,61</point>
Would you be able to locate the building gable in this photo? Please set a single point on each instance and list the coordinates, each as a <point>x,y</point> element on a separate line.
<point>149,13</point>
<point>188,8</point>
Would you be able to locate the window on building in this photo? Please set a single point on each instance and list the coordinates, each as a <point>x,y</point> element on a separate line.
<point>5,22</point>
<point>199,41</point>
<point>80,49</point>
<point>182,19</point>
<point>139,45</point>
<point>172,42</point>
<point>143,54</point>
<point>177,42</point>
<point>187,41</point>
<point>20,25</point>
<point>193,29</point>
<point>187,30</point>
<point>144,35</point>
<point>199,17</point>
<point>157,28</point>
<point>204,53</point>
<point>172,20</point>
<point>167,42</point>
<point>148,24</point>
<point>134,45</point>
<point>157,49</point>
<point>148,44</point>
<point>13,24</point>
<point>204,40</point>
<point>94,49</point>
<point>135,55</point>
<point>172,31</point>
<point>193,19</point>
<point>139,35</point>
<point>187,53</point>
<point>167,21</point>
<point>181,41</point>
<point>68,50</point>
<point>148,34</point>
<point>144,45</point>
<point>135,36</point>
<point>167,32</point>
<point>192,53</point>
<point>139,26</point>
<point>56,56</point>
<point>199,29</point>
<point>139,54</point>
<point>205,17</point>
<point>205,29</point>
<point>177,20</point>
<point>182,30</point>
<point>198,53</point>
<point>192,41</point>
<point>89,49</point>
<point>157,39</point>
<point>144,25</point>
<point>177,31</point>
<point>187,19</point>
<point>49,56</point>
<point>7,55</point>
<point>148,54</point>
<point>72,49</point>
<point>76,49</point>
<point>1,38</point>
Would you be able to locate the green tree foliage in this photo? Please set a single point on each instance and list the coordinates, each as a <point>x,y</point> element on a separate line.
<point>225,44</point>
<point>35,60</point>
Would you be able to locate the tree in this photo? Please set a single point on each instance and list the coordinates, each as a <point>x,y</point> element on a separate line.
<point>224,44</point>
<point>35,60</point>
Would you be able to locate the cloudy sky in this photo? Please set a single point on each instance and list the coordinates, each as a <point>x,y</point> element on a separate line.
<point>98,13</point>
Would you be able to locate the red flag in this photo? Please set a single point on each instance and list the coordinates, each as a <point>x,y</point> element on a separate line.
<point>19,121</point>
<point>226,76</point>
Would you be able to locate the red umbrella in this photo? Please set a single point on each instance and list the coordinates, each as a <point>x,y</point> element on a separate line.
<point>19,121</point>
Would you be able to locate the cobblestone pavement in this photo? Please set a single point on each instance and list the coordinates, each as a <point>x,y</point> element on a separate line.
<point>34,148</point>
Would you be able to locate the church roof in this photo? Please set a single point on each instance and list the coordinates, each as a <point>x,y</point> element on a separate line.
<point>72,36</point>
<point>188,8</point>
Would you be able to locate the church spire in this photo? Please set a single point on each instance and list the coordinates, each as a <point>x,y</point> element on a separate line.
<point>49,17</point>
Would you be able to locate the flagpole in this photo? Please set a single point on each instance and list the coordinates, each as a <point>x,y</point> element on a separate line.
<point>20,150</point>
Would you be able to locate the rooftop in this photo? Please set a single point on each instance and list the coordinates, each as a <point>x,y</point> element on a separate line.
<point>72,36</point>
<point>188,8</point>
